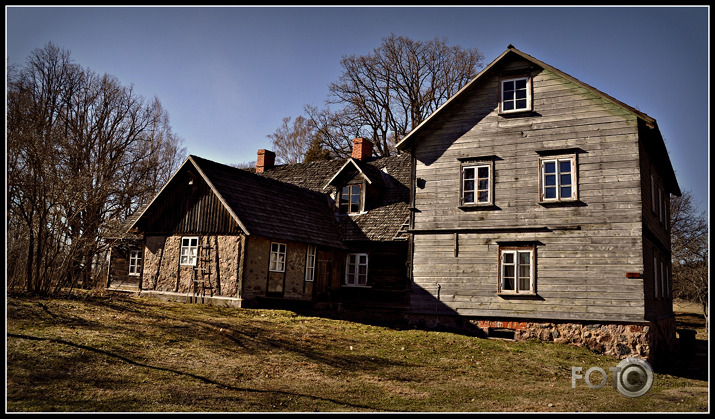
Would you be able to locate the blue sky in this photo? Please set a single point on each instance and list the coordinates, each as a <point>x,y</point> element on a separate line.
<point>227,76</point>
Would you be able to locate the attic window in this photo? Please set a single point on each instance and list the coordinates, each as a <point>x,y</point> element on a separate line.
<point>515,95</point>
<point>350,198</point>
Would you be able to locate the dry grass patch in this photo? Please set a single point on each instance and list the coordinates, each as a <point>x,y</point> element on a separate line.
<point>112,353</point>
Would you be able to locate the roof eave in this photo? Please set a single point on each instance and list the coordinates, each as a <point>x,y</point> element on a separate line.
<point>405,143</point>
<point>349,161</point>
<point>191,160</point>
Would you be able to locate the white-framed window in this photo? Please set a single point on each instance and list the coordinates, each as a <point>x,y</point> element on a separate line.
<point>278,257</point>
<point>135,262</point>
<point>189,251</point>
<point>558,179</point>
<point>476,184</point>
<point>517,270</point>
<point>350,198</point>
<point>356,269</point>
<point>515,94</point>
<point>310,263</point>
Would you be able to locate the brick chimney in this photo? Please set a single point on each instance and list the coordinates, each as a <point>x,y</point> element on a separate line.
<point>265,160</point>
<point>362,149</point>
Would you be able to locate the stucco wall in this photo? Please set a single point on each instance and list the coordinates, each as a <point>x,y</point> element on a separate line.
<point>162,271</point>
<point>289,284</point>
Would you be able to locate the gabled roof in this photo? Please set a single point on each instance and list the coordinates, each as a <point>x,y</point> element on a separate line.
<point>407,140</point>
<point>352,168</point>
<point>648,121</point>
<point>266,207</point>
<point>385,217</point>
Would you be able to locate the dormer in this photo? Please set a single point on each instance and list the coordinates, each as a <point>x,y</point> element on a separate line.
<point>357,184</point>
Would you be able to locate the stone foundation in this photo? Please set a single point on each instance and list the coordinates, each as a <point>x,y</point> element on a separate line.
<point>652,341</point>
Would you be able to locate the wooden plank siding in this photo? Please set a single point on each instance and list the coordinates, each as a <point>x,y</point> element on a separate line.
<point>583,251</point>
<point>657,242</point>
<point>188,209</point>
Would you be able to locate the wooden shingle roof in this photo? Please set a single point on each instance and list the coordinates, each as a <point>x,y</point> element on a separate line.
<point>290,202</point>
<point>273,209</point>
<point>266,207</point>
<point>385,217</point>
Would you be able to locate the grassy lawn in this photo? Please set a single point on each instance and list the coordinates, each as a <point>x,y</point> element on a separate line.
<point>123,354</point>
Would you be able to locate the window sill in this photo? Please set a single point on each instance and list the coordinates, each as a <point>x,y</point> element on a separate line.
<point>137,275</point>
<point>477,207</point>
<point>355,286</point>
<point>517,113</point>
<point>563,203</point>
<point>353,214</point>
<point>521,295</point>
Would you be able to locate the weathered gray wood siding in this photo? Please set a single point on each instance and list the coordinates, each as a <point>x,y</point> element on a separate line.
<point>583,251</point>
<point>657,242</point>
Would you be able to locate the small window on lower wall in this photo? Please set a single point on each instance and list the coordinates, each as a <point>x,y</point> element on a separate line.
<point>517,273</point>
<point>189,251</point>
<point>310,263</point>
<point>278,257</point>
<point>135,262</point>
<point>356,269</point>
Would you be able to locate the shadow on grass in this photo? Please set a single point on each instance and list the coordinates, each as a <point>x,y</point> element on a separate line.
<point>186,374</point>
<point>254,337</point>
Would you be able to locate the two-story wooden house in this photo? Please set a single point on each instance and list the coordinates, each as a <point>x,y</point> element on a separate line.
<point>540,208</point>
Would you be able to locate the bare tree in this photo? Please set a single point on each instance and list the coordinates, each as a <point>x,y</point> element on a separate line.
<point>392,90</point>
<point>83,152</point>
<point>689,245</point>
<point>291,141</point>
<point>382,96</point>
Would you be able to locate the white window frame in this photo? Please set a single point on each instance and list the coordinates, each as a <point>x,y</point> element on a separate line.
<point>135,262</point>
<point>310,263</point>
<point>354,279</point>
<point>349,210</point>
<point>475,190</point>
<point>189,251</point>
<point>516,263</point>
<point>528,98</point>
<point>278,257</point>
<point>557,160</point>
